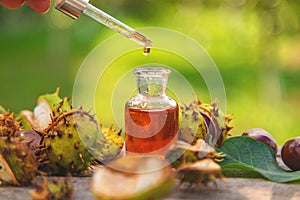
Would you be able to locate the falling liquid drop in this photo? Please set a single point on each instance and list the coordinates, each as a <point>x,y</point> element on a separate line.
<point>146,51</point>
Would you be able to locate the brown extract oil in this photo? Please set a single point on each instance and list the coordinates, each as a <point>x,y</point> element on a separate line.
<point>150,131</point>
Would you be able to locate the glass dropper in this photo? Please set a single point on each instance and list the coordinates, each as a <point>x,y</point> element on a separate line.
<point>74,8</point>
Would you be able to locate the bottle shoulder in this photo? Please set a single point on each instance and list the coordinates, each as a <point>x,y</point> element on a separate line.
<point>151,102</point>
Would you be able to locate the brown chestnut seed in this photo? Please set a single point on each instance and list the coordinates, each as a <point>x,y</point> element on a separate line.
<point>263,136</point>
<point>31,138</point>
<point>290,153</point>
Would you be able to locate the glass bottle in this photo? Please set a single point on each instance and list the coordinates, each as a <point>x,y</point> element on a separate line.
<point>151,117</point>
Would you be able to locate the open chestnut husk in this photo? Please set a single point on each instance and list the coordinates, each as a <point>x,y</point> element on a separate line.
<point>290,153</point>
<point>263,136</point>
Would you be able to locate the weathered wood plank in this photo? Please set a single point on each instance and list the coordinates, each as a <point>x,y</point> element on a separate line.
<point>228,188</point>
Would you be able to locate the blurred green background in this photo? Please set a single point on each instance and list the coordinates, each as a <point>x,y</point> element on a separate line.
<point>254,43</point>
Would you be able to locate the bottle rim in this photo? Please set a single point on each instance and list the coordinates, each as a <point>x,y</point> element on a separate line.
<point>151,71</point>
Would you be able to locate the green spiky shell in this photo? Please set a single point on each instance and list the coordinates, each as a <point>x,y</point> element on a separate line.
<point>20,160</point>
<point>65,145</point>
<point>48,105</point>
<point>105,151</point>
<point>192,125</point>
<point>108,146</point>
<point>55,102</point>
<point>113,136</point>
<point>204,121</point>
<point>9,125</point>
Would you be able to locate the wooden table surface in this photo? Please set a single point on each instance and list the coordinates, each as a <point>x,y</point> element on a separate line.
<point>228,188</point>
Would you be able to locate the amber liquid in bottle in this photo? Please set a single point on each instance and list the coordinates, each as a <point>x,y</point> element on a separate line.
<point>150,131</point>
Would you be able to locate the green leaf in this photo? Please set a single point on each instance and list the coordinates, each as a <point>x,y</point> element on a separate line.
<point>247,157</point>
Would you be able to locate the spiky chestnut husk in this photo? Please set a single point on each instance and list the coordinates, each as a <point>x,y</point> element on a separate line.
<point>17,161</point>
<point>204,171</point>
<point>204,121</point>
<point>9,125</point>
<point>113,136</point>
<point>57,190</point>
<point>108,145</point>
<point>105,150</point>
<point>55,102</point>
<point>64,148</point>
<point>133,177</point>
<point>72,143</point>
<point>182,152</point>
<point>48,105</point>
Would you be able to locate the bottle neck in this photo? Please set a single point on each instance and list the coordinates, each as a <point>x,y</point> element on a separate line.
<point>152,86</point>
<point>151,81</point>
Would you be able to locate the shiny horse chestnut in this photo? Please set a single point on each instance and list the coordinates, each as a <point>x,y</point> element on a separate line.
<point>290,153</point>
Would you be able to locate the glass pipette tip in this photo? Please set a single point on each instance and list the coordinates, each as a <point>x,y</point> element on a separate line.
<point>74,8</point>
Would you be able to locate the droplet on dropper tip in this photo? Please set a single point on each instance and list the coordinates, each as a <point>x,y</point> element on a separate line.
<point>146,51</point>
